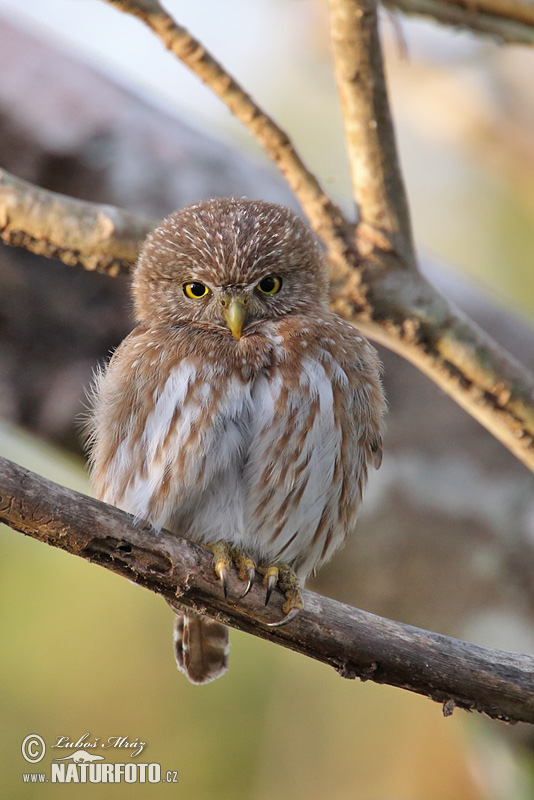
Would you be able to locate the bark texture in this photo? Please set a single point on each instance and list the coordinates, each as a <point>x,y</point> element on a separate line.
<point>355,643</point>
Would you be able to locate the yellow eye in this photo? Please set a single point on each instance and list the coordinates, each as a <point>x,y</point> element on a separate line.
<point>195,290</point>
<point>270,285</point>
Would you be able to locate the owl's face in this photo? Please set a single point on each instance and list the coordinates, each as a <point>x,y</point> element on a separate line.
<point>229,263</point>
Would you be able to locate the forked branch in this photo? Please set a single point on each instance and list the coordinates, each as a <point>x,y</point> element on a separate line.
<point>355,643</point>
<point>324,216</point>
<point>393,304</point>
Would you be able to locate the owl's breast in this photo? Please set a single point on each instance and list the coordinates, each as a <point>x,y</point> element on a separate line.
<point>262,441</point>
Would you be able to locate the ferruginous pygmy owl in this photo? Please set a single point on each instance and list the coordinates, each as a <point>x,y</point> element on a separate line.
<point>240,412</point>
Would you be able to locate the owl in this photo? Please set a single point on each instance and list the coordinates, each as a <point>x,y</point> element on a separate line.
<point>240,412</point>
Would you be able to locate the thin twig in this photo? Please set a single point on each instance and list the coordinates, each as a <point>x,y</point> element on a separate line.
<point>510,21</point>
<point>517,10</point>
<point>355,643</point>
<point>92,235</point>
<point>324,216</point>
<point>376,176</point>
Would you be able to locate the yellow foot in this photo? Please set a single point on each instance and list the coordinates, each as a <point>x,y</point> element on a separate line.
<point>288,583</point>
<point>223,556</point>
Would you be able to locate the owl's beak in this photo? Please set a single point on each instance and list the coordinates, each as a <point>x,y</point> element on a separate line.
<point>235,314</point>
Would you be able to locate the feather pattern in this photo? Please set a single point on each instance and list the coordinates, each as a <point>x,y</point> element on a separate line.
<point>263,441</point>
<point>269,455</point>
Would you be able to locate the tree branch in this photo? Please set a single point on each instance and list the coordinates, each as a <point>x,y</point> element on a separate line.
<point>94,236</point>
<point>395,306</point>
<point>355,643</point>
<point>402,311</point>
<point>510,21</point>
<point>399,309</point>
<point>405,313</point>
<point>372,151</point>
<point>324,216</point>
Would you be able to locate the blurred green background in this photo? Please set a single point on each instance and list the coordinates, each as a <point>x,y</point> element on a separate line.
<point>82,650</point>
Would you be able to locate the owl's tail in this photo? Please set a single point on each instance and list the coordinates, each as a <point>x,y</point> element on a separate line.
<point>201,647</point>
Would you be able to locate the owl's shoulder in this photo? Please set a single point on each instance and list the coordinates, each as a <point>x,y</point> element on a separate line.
<point>147,343</point>
<point>326,337</point>
<point>152,352</point>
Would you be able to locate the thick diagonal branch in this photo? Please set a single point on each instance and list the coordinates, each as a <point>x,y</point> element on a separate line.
<point>376,176</point>
<point>355,643</point>
<point>405,313</point>
<point>94,236</point>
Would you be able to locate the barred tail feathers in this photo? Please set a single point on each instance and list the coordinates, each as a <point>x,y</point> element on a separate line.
<point>201,647</point>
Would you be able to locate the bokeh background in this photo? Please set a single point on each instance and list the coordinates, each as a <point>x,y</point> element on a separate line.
<point>92,106</point>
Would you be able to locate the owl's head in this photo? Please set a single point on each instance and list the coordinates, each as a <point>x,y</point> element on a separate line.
<point>230,263</point>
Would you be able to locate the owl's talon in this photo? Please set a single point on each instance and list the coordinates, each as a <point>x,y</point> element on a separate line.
<point>221,563</point>
<point>270,580</point>
<point>270,587</point>
<point>246,567</point>
<point>292,614</point>
<point>222,572</point>
<point>251,574</point>
<point>288,583</point>
<point>223,556</point>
